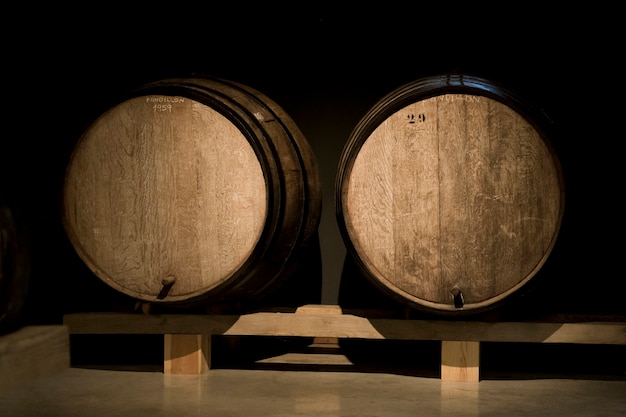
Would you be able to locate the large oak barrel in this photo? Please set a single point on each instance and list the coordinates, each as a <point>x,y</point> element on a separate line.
<point>192,189</point>
<point>449,195</point>
<point>15,268</point>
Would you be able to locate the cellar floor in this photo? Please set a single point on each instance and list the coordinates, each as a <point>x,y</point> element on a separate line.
<point>362,379</point>
<point>230,392</point>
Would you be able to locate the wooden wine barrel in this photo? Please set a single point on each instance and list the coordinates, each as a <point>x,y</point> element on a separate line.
<point>449,195</point>
<point>15,268</point>
<point>192,189</point>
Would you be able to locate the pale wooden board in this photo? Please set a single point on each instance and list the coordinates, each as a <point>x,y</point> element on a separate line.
<point>346,326</point>
<point>308,359</point>
<point>187,354</point>
<point>460,361</point>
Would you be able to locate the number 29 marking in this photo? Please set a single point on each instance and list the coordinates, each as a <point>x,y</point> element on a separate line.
<point>420,118</point>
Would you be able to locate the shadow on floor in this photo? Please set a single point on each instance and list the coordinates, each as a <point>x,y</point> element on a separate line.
<point>402,357</point>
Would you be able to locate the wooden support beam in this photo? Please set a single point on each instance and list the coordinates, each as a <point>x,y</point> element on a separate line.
<point>346,326</point>
<point>460,361</point>
<point>188,337</point>
<point>188,354</point>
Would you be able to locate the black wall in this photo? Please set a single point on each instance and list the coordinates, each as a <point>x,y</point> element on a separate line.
<point>326,68</point>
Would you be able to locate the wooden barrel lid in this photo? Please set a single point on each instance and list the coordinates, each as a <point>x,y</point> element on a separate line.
<point>163,190</point>
<point>449,196</point>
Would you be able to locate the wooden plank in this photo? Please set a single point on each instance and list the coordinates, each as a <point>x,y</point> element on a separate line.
<point>33,352</point>
<point>346,326</point>
<point>460,361</point>
<point>188,354</point>
<point>324,310</point>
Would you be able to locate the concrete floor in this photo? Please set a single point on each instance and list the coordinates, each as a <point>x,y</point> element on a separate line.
<point>284,377</point>
<point>84,392</point>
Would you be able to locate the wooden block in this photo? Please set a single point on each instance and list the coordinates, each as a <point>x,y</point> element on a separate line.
<point>188,354</point>
<point>32,352</point>
<point>460,361</point>
<point>323,309</point>
<point>325,342</point>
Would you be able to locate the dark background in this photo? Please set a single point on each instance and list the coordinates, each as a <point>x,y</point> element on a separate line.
<point>326,67</point>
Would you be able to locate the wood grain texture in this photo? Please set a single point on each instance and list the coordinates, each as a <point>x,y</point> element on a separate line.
<point>453,191</point>
<point>186,354</point>
<point>193,189</point>
<point>460,361</point>
<point>154,193</point>
<point>347,326</point>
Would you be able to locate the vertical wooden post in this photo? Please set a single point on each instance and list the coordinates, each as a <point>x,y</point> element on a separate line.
<point>187,354</point>
<point>460,361</point>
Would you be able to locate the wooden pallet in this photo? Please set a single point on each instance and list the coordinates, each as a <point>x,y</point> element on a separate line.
<point>187,337</point>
